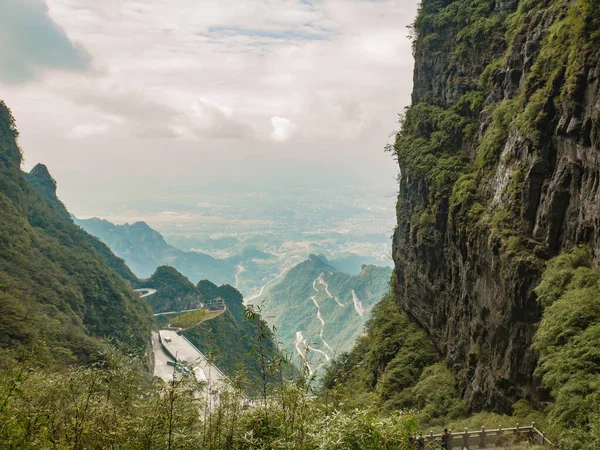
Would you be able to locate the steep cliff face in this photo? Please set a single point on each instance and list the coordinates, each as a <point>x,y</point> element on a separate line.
<point>500,170</point>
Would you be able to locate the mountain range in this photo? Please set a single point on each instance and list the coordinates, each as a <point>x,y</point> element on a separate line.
<point>319,311</point>
<point>144,249</point>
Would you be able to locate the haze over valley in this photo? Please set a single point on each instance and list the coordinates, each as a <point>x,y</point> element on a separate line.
<point>257,235</point>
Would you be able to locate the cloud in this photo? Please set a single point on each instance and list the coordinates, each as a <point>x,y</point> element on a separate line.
<point>132,112</point>
<point>303,33</point>
<point>229,85</point>
<point>219,122</point>
<point>283,129</point>
<point>87,130</point>
<point>31,42</point>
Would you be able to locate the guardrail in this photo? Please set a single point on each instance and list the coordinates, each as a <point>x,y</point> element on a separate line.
<point>500,437</point>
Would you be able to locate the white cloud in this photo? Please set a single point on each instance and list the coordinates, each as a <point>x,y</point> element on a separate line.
<point>87,130</point>
<point>283,129</point>
<point>244,77</point>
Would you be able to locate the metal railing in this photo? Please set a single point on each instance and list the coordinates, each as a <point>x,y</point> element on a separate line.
<point>483,439</point>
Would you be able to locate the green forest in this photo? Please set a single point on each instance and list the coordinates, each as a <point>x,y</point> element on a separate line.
<point>57,291</point>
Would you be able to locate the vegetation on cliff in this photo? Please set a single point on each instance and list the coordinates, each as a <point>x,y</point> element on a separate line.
<point>393,366</point>
<point>235,339</point>
<point>568,341</point>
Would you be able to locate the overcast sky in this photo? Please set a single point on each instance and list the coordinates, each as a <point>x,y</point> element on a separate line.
<point>126,98</point>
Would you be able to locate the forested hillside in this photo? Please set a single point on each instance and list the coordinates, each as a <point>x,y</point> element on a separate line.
<point>237,340</point>
<point>174,292</point>
<point>144,249</point>
<point>319,311</point>
<point>57,293</point>
<point>394,366</point>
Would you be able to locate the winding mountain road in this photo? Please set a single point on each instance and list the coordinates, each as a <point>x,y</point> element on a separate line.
<point>145,292</point>
<point>322,281</point>
<point>240,270</point>
<point>262,289</point>
<point>319,317</point>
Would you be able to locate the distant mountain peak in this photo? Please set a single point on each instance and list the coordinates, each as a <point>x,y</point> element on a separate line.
<point>39,177</point>
<point>318,259</point>
<point>42,175</point>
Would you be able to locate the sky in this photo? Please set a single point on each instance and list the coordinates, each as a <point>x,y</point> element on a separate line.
<point>123,99</point>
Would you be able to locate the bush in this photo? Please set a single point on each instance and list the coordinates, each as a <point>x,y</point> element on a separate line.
<point>568,341</point>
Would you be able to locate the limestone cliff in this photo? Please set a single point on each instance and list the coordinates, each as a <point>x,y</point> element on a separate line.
<point>500,170</point>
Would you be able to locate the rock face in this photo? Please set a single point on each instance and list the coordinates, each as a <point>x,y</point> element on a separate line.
<point>500,170</point>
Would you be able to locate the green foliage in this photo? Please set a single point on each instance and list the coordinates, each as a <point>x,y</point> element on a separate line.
<point>429,145</point>
<point>470,104</point>
<point>496,134</point>
<point>361,429</point>
<point>464,191</point>
<point>528,121</point>
<point>56,290</point>
<point>189,319</point>
<point>568,341</point>
<point>116,406</point>
<point>435,396</point>
<point>174,291</point>
<point>392,367</point>
<point>487,76</point>
<point>230,338</point>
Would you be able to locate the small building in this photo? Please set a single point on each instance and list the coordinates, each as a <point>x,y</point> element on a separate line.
<point>218,304</point>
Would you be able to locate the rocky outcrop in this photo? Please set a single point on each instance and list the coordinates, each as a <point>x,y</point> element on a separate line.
<point>469,253</point>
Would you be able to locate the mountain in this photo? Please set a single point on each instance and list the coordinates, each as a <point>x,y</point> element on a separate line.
<point>60,289</point>
<point>352,263</point>
<point>204,245</point>
<point>144,249</point>
<point>234,339</point>
<point>174,292</point>
<point>394,364</point>
<point>319,308</point>
<point>499,171</point>
<point>250,254</point>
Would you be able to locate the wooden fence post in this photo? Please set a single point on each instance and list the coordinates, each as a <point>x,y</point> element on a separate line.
<point>482,438</point>
<point>466,439</point>
<point>450,440</point>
